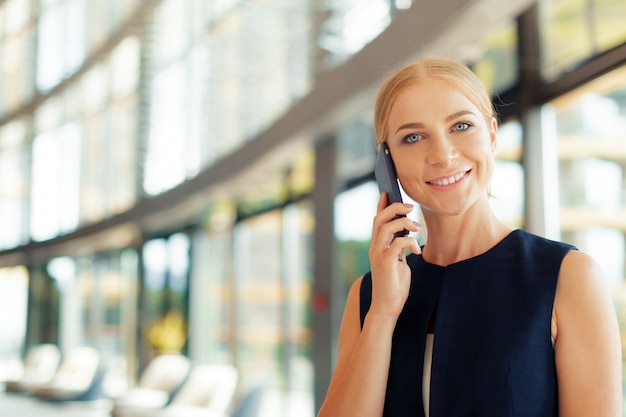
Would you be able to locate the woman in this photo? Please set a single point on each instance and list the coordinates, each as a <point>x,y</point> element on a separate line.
<point>483,320</point>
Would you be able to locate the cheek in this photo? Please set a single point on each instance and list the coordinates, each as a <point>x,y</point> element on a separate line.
<point>406,168</point>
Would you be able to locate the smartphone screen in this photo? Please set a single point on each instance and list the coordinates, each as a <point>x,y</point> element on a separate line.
<point>387,179</point>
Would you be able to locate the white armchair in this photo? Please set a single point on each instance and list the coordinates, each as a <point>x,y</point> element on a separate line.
<point>40,365</point>
<point>164,374</point>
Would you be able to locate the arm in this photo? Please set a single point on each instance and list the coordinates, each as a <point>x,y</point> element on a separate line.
<point>359,382</point>
<point>587,346</point>
<point>360,379</point>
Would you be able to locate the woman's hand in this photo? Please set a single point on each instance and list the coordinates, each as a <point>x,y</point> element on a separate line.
<point>391,276</point>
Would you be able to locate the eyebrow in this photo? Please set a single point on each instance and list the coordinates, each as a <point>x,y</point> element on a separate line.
<point>447,120</point>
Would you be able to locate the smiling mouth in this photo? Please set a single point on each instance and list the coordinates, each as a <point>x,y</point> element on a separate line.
<point>449,180</point>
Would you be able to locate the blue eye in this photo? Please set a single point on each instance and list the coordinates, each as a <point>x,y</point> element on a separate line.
<point>412,138</point>
<point>461,126</point>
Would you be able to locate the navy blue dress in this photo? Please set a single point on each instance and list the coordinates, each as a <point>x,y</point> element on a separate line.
<point>492,352</point>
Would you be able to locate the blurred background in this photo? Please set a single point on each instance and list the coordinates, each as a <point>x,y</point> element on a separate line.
<point>195,177</point>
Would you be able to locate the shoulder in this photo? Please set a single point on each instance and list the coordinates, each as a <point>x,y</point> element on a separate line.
<point>539,244</point>
<point>579,274</point>
<point>587,340</point>
<point>582,296</point>
<point>580,279</point>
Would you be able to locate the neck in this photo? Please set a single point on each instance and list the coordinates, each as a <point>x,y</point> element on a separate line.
<point>455,238</point>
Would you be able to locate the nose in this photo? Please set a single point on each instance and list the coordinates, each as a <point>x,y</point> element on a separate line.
<point>442,151</point>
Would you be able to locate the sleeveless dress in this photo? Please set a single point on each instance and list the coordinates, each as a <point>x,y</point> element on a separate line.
<point>492,353</point>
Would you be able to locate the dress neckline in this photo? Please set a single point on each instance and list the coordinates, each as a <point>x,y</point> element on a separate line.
<point>473,258</point>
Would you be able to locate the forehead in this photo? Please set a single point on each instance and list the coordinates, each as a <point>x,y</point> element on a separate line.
<point>431,100</point>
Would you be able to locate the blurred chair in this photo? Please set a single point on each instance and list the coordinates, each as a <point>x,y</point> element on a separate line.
<point>77,377</point>
<point>40,364</point>
<point>11,369</point>
<point>251,403</point>
<point>208,392</point>
<point>161,378</point>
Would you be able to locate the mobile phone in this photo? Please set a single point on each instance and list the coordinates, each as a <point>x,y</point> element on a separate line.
<point>387,179</point>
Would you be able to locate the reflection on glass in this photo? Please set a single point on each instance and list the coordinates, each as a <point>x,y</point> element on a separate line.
<point>573,30</point>
<point>590,124</point>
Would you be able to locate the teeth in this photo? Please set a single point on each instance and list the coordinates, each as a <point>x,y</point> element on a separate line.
<point>449,180</point>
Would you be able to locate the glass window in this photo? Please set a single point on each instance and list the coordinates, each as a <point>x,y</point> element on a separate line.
<point>608,23</point>
<point>120,180</point>
<point>219,8</point>
<point>55,182</point>
<point>573,30</point>
<point>165,156</point>
<point>125,67</point>
<point>507,185</point>
<point>63,272</point>
<point>352,25</point>
<point>211,322</point>
<point>259,299</point>
<point>13,184</point>
<point>498,65</point>
<point>164,313</point>
<point>273,282</point>
<point>17,14</point>
<point>589,125</point>
<point>13,312</point>
<point>43,308</point>
<point>97,307</point>
<point>98,14</point>
<point>108,182</point>
<point>95,88</point>
<point>356,148</point>
<point>60,42</point>
<point>171,31</point>
<point>16,71</point>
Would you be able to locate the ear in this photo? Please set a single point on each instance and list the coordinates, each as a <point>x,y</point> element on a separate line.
<point>493,134</point>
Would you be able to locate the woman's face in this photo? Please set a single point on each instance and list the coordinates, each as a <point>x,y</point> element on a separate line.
<point>442,147</point>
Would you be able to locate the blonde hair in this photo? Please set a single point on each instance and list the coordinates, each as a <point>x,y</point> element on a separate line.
<point>423,70</point>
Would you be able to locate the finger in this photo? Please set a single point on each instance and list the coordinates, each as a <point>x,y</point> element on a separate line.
<point>390,213</point>
<point>397,250</point>
<point>399,227</point>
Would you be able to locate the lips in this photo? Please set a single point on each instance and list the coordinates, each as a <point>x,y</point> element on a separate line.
<point>448,180</point>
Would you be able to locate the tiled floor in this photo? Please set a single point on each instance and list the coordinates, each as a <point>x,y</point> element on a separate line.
<point>22,405</point>
<point>273,404</point>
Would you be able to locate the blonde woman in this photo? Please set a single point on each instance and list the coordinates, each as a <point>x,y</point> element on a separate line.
<point>482,320</point>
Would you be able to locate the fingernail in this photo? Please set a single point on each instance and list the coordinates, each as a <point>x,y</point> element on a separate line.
<point>408,205</point>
